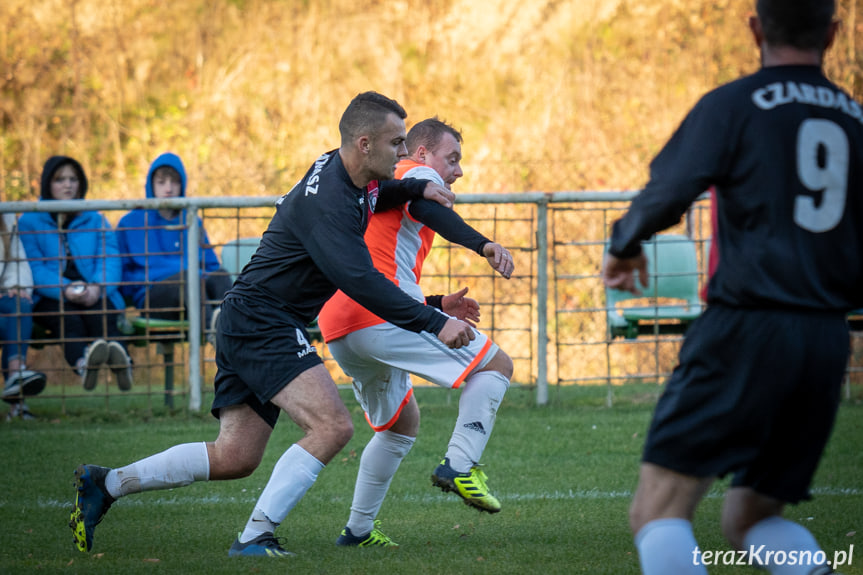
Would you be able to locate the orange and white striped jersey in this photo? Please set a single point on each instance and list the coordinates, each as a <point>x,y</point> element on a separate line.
<point>399,245</point>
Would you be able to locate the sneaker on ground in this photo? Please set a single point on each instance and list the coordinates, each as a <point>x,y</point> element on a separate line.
<point>95,355</point>
<point>266,545</point>
<point>19,409</point>
<point>92,501</point>
<point>469,486</point>
<point>24,382</point>
<point>374,538</point>
<point>121,364</point>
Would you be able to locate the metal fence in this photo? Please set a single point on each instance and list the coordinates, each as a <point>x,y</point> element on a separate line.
<point>550,317</point>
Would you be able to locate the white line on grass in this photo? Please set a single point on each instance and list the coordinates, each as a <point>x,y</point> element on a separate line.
<point>250,498</point>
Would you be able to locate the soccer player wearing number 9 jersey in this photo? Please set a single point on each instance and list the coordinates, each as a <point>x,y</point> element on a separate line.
<point>757,387</point>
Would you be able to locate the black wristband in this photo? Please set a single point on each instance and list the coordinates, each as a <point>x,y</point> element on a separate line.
<point>435,301</point>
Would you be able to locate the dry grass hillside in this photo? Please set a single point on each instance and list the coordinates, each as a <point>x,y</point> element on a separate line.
<point>550,94</point>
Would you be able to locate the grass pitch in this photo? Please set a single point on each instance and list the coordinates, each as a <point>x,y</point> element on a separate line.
<point>564,474</point>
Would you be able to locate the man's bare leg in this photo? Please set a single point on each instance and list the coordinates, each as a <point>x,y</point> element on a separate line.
<point>753,522</point>
<point>312,402</point>
<point>661,519</point>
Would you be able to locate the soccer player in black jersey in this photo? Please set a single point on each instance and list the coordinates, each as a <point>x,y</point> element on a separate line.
<point>757,387</point>
<point>313,245</point>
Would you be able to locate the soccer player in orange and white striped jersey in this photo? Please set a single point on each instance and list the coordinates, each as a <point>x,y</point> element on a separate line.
<point>380,357</point>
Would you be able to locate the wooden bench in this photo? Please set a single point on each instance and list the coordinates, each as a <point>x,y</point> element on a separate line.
<point>143,331</point>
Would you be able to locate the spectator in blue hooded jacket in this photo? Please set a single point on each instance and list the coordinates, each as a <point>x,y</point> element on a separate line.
<point>76,276</point>
<point>153,244</point>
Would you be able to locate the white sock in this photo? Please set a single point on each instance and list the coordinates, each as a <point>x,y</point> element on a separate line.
<point>477,408</point>
<point>175,467</point>
<point>378,464</point>
<point>668,546</point>
<point>778,534</point>
<point>295,472</point>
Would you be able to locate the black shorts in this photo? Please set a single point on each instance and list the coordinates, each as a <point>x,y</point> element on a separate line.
<point>259,350</point>
<point>755,394</point>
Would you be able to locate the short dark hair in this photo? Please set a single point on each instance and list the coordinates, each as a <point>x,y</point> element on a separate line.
<point>802,24</point>
<point>167,172</point>
<point>366,113</point>
<point>428,133</point>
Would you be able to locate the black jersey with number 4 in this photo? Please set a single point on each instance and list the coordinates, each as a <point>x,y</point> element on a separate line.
<point>784,149</point>
<point>314,244</point>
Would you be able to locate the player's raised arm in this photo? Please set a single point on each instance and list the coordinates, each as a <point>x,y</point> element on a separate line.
<point>394,193</point>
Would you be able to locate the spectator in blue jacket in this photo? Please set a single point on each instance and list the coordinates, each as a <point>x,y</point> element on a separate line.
<point>76,275</point>
<point>154,248</point>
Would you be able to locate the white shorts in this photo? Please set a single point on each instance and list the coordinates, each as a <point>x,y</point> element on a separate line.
<point>381,358</point>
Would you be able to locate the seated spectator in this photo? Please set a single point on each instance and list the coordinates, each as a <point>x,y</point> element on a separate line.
<point>154,248</point>
<point>76,275</point>
<point>16,321</point>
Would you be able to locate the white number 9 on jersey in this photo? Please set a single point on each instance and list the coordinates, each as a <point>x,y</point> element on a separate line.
<point>829,175</point>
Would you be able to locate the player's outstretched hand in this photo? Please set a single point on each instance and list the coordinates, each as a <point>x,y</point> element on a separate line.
<point>620,273</point>
<point>463,308</point>
<point>438,193</point>
<point>499,259</point>
<point>456,333</point>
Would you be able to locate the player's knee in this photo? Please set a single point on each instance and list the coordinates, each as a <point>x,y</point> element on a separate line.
<point>501,363</point>
<point>340,431</point>
<point>244,468</point>
<point>637,516</point>
<point>346,432</point>
<point>735,526</point>
<point>233,463</point>
<point>732,532</point>
<point>408,422</point>
<point>649,504</point>
<point>742,509</point>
